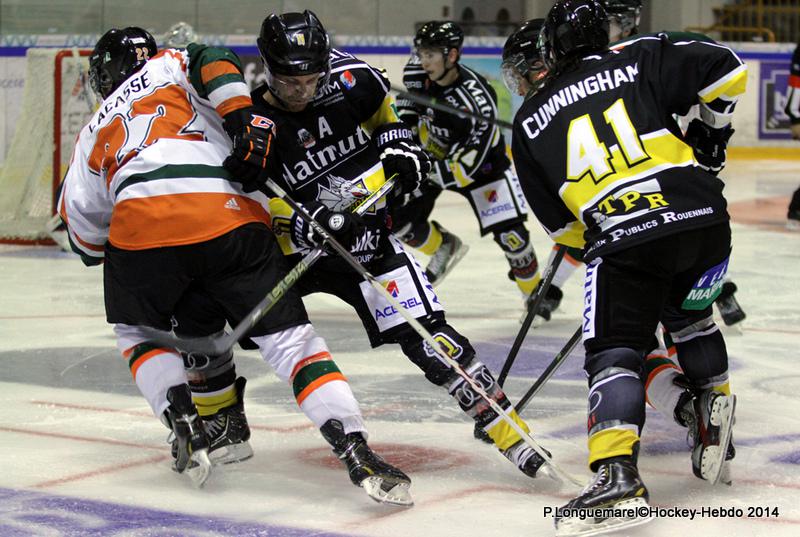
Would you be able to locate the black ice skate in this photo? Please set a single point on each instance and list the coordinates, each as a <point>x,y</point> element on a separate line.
<point>709,416</point>
<point>228,432</point>
<point>527,459</point>
<point>191,456</point>
<point>616,484</point>
<point>380,480</point>
<point>445,258</point>
<point>729,308</point>
<point>550,302</point>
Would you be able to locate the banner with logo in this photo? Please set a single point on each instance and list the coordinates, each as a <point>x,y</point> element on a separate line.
<point>773,123</point>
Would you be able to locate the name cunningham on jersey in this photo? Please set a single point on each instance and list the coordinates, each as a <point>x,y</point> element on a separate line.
<point>603,81</point>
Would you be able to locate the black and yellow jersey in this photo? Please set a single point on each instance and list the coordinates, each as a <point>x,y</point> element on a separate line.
<point>600,156</point>
<point>473,150</point>
<point>324,153</point>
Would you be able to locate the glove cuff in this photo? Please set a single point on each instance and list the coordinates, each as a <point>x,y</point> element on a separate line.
<point>389,134</point>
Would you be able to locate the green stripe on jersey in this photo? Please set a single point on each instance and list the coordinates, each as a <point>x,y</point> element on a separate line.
<point>201,55</point>
<point>312,372</point>
<point>175,171</point>
<point>220,81</point>
<point>651,364</point>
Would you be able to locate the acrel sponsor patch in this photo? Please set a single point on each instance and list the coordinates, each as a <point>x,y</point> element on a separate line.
<point>400,285</point>
<point>707,288</point>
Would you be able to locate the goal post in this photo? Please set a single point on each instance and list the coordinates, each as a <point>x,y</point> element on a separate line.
<point>57,102</point>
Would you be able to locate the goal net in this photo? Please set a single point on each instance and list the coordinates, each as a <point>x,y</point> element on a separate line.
<point>57,102</point>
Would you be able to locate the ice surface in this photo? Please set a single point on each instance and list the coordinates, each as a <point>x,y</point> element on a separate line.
<point>82,455</point>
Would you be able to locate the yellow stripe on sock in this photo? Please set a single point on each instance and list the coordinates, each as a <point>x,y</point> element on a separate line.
<point>611,443</point>
<point>527,286</point>
<point>724,388</point>
<point>502,434</point>
<point>208,405</point>
<point>433,241</point>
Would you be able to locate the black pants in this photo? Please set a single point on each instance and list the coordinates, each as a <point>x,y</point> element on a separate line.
<point>208,283</point>
<point>628,293</point>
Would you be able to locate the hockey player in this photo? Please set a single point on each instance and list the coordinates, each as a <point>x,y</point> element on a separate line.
<point>623,18</point>
<point>149,193</point>
<point>793,111</point>
<point>605,167</point>
<point>339,138</point>
<point>469,157</point>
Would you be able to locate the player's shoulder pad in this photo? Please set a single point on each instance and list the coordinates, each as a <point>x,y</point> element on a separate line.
<point>353,74</point>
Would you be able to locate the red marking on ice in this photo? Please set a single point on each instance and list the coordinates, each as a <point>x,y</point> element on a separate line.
<point>77,438</point>
<point>764,213</point>
<point>409,458</point>
<point>101,471</point>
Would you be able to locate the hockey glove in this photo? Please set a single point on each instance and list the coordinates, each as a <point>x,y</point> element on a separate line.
<point>401,156</point>
<point>252,135</point>
<point>709,145</point>
<point>341,226</point>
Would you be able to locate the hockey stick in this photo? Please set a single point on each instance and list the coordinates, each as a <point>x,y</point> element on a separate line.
<point>533,309</point>
<point>430,103</point>
<point>550,369</point>
<point>220,344</point>
<point>419,329</point>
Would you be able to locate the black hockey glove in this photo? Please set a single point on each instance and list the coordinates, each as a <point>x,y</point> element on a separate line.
<point>709,145</point>
<point>341,226</point>
<point>400,155</point>
<point>252,136</point>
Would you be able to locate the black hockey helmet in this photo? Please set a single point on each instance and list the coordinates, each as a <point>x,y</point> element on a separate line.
<point>626,13</point>
<point>521,54</point>
<point>294,44</point>
<point>117,55</point>
<point>445,35</point>
<point>573,27</point>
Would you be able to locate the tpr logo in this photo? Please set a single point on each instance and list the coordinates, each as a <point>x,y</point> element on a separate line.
<point>491,196</point>
<point>392,288</point>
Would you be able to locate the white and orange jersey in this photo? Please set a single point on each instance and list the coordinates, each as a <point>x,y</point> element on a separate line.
<point>147,170</point>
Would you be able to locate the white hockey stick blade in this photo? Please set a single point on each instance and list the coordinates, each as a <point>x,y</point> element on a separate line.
<point>577,526</point>
<point>398,494</point>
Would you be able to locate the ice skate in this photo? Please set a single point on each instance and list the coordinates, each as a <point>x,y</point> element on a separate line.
<point>227,431</point>
<point>380,480</point>
<point>616,484</point>
<point>446,257</point>
<point>709,417</point>
<point>729,308</point>
<point>191,442</point>
<point>550,302</point>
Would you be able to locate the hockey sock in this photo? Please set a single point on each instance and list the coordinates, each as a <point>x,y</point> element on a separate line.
<point>567,267</point>
<point>431,242</point>
<point>474,406</point>
<point>211,379</point>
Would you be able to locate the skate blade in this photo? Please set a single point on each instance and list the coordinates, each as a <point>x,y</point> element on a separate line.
<point>575,527</point>
<point>231,454</point>
<point>460,253</point>
<point>714,456</point>
<point>547,471</point>
<point>397,495</point>
<point>199,468</point>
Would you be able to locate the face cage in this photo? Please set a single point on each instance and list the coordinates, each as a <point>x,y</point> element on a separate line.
<point>516,70</point>
<point>275,85</point>
<point>628,22</point>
